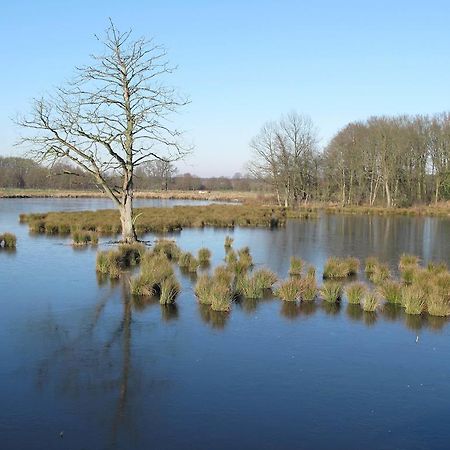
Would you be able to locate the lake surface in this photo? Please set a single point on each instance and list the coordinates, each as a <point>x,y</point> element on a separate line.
<point>83,359</point>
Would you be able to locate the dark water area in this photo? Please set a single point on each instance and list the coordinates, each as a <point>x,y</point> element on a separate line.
<point>83,358</point>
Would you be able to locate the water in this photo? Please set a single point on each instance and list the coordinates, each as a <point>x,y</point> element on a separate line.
<point>82,359</point>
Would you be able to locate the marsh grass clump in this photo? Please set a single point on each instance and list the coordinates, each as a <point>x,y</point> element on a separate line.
<point>8,241</point>
<point>331,291</point>
<point>167,247</point>
<point>391,291</point>
<point>296,266</point>
<point>355,292</point>
<point>311,272</point>
<point>370,301</point>
<point>340,267</point>
<point>108,262</point>
<point>370,264</point>
<point>203,289</point>
<point>413,299</point>
<point>184,260</point>
<point>380,273</point>
<point>437,267</point>
<point>84,238</point>
<point>193,265</point>
<point>437,305</point>
<point>169,289</point>
<point>204,256</point>
<point>266,278</point>
<point>309,289</point>
<point>228,242</point>
<point>290,290</point>
<point>407,260</point>
<point>223,274</point>
<point>221,297</point>
<point>408,274</point>
<point>249,286</point>
<point>156,269</point>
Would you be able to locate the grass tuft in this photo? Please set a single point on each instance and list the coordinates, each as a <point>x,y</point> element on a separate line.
<point>204,256</point>
<point>370,301</point>
<point>340,267</point>
<point>290,290</point>
<point>331,291</point>
<point>8,240</point>
<point>296,266</point>
<point>355,292</point>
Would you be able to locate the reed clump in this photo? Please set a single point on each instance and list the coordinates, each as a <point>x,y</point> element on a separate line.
<point>296,266</point>
<point>80,238</point>
<point>266,278</point>
<point>340,267</point>
<point>370,263</point>
<point>391,291</point>
<point>8,241</point>
<point>290,290</point>
<point>355,292</point>
<point>413,299</point>
<point>380,273</point>
<point>156,278</point>
<point>204,256</point>
<point>184,260</point>
<point>370,301</point>
<point>309,288</point>
<point>193,265</point>
<point>167,247</point>
<point>331,291</point>
<point>407,260</point>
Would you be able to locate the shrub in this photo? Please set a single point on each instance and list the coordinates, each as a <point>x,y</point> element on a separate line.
<point>296,266</point>
<point>290,290</point>
<point>204,255</point>
<point>355,292</point>
<point>8,240</point>
<point>391,291</point>
<point>331,291</point>
<point>370,301</point>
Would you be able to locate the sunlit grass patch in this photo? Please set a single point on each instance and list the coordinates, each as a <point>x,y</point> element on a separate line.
<point>331,291</point>
<point>391,291</point>
<point>340,267</point>
<point>370,301</point>
<point>84,238</point>
<point>296,266</point>
<point>290,290</point>
<point>355,292</point>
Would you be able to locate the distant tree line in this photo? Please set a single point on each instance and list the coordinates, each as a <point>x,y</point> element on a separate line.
<point>392,161</point>
<point>24,173</point>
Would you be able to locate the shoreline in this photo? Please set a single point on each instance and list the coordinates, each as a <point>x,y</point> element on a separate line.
<point>441,209</point>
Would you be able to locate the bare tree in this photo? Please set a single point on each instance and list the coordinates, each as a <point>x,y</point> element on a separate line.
<point>161,170</point>
<point>112,118</point>
<point>284,154</point>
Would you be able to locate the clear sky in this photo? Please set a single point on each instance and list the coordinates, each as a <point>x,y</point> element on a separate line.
<point>243,62</point>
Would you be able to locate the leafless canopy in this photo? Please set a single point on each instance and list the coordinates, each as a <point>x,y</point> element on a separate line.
<point>113,116</point>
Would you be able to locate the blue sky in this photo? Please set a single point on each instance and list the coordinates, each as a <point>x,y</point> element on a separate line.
<point>243,62</point>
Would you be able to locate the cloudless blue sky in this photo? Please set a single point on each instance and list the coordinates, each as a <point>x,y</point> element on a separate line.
<point>243,62</point>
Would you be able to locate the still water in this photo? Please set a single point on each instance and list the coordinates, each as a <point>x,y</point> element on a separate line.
<point>83,366</point>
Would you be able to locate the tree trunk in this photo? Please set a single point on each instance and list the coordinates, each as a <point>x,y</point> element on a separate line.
<point>126,220</point>
<point>388,194</point>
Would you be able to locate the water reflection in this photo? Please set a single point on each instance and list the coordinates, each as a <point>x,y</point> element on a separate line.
<point>217,319</point>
